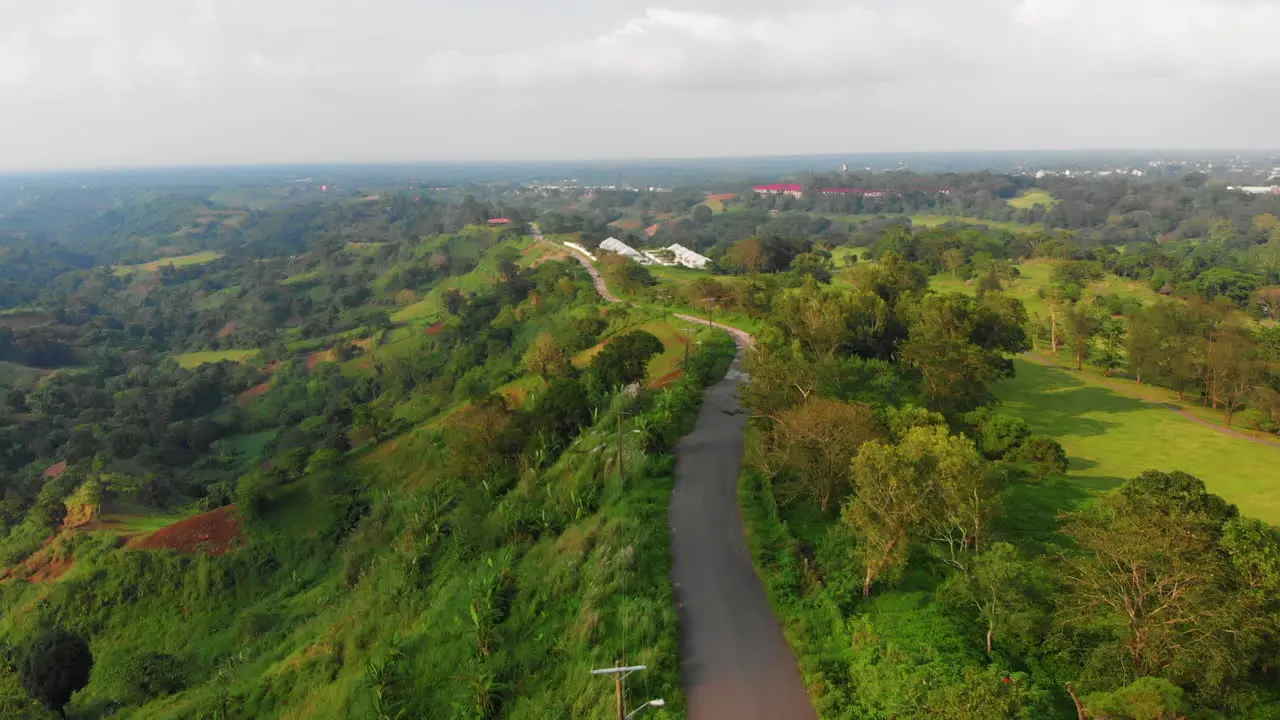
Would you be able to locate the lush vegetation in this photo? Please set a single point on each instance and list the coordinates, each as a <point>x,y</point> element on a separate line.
<point>370,455</point>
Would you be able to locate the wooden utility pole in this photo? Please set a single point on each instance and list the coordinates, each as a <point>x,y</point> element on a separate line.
<point>617,680</point>
<point>619,674</point>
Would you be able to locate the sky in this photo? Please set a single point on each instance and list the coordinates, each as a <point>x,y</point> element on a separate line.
<point>123,83</point>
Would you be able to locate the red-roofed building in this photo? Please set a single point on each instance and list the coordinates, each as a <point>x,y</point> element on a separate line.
<point>500,221</point>
<point>780,189</point>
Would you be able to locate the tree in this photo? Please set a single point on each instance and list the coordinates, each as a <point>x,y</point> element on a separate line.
<point>55,666</point>
<point>958,346</point>
<point>702,215</point>
<point>560,411</point>
<point>1107,354</point>
<point>746,255</point>
<point>900,489</point>
<point>1145,347</point>
<point>990,281</point>
<point>1147,698</point>
<point>1149,574</point>
<point>624,360</point>
<point>546,358</point>
<point>998,584</point>
<point>952,260</point>
<point>1081,324</point>
<point>814,442</point>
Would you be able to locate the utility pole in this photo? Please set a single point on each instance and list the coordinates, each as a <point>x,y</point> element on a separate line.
<point>620,445</point>
<point>617,682</point>
<point>619,674</point>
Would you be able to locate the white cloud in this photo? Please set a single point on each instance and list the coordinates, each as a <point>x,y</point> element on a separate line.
<point>683,48</point>
<point>263,80</point>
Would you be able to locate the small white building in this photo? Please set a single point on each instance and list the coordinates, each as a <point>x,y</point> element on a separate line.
<point>1259,189</point>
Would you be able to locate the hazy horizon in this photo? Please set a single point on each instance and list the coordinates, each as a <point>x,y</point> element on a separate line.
<point>117,84</point>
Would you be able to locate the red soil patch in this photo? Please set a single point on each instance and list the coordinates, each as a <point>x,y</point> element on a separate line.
<point>316,358</point>
<point>632,224</point>
<point>247,396</point>
<point>56,469</point>
<point>721,197</point>
<point>435,329</point>
<point>226,331</point>
<point>216,533</point>
<point>652,229</point>
<point>667,379</point>
<point>43,565</point>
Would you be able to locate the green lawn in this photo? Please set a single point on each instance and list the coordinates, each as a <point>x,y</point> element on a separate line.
<point>199,258</point>
<point>1035,274</point>
<point>12,374</point>
<point>1032,198</point>
<point>936,220</point>
<point>196,359</point>
<point>1111,437</point>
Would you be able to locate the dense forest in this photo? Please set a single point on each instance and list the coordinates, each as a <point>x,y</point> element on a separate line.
<point>382,454</point>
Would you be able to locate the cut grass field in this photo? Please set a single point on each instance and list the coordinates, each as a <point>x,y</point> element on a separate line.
<point>196,359</point>
<point>21,319</point>
<point>198,258</point>
<point>936,220</point>
<point>1035,274</point>
<point>1032,198</point>
<point>12,375</point>
<point>1111,437</point>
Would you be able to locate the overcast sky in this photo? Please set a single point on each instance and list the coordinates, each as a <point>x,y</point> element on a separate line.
<point>111,83</point>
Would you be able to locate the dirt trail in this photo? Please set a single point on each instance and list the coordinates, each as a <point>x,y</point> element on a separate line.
<point>1182,413</point>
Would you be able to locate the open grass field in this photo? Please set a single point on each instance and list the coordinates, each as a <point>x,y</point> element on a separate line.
<point>671,334</point>
<point>12,374</point>
<point>1111,437</point>
<point>936,220</point>
<point>19,319</point>
<point>196,359</point>
<point>1036,274</point>
<point>716,202</point>
<point>199,258</point>
<point>1032,198</point>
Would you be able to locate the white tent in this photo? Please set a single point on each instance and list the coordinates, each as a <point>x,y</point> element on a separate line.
<point>614,245</point>
<point>689,258</point>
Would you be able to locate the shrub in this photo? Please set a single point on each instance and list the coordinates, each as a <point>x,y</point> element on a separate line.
<point>56,665</point>
<point>153,674</point>
<point>1042,456</point>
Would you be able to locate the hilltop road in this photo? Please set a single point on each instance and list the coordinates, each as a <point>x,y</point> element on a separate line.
<point>736,662</point>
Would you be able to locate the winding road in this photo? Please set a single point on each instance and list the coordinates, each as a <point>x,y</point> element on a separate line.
<point>736,661</point>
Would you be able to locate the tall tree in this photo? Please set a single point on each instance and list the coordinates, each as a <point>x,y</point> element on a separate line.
<point>813,444</point>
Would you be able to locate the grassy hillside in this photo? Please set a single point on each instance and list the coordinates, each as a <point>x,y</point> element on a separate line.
<point>198,258</point>
<point>1032,198</point>
<point>1037,274</point>
<point>196,359</point>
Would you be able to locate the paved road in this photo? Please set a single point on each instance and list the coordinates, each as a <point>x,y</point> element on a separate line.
<point>601,287</point>
<point>737,664</point>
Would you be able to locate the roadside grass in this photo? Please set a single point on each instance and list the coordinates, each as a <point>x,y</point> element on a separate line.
<point>1032,198</point>
<point>199,258</point>
<point>1111,437</point>
<point>196,359</point>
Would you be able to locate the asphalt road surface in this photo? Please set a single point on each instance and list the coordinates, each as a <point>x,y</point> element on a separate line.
<point>737,664</point>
